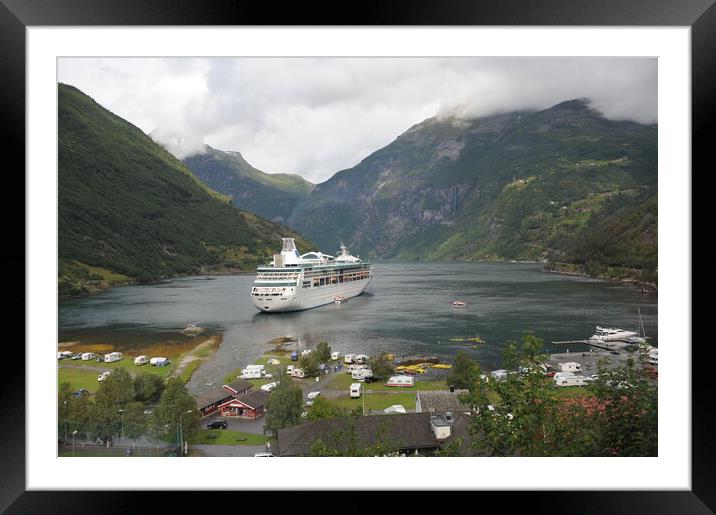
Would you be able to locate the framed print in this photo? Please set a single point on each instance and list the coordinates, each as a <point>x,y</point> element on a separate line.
<point>153,205</point>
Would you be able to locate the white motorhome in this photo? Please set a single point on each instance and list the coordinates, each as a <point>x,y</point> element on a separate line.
<point>348,359</point>
<point>570,366</point>
<point>401,380</point>
<point>352,368</point>
<point>269,387</point>
<point>112,357</point>
<point>251,373</point>
<point>361,374</point>
<point>64,354</point>
<point>569,379</point>
<point>88,356</point>
<point>141,360</point>
<point>159,361</point>
<point>289,369</point>
<point>103,376</point>
<point>361,358</point>
<point>335,356</point>
<point>356,390</point>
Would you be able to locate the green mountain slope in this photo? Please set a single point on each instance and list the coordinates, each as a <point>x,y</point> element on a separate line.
<point>564,184</point>
<point>129,210</point>
<point>272,196</point>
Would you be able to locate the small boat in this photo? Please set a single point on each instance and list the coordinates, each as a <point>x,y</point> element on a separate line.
<point>458,304</point>
<point>340,300</point>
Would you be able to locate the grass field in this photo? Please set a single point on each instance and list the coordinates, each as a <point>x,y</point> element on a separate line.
<point>378,401</point>
<point>78,378</point>
<point>343,380</point>
<point>226,437</point>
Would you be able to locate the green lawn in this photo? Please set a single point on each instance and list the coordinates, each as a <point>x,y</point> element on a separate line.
<point>378,401</point>
<point>126,362</point>
<point>226,437</point>
<point>343,380</point>
<point>78,378</point>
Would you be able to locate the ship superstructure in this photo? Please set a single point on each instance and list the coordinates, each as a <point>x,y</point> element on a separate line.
<point>294,282</point>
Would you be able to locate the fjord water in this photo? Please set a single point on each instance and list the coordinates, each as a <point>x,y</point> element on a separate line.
<point>405,310</point>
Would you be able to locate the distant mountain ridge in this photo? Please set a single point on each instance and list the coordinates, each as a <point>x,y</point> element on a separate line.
<point>272,196</point>
<point>563,184</point>
<point>130,211</point>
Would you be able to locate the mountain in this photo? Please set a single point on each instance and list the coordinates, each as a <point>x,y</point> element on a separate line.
<point>272,196</point>
<point>563,184</point>
<point>130,211</point>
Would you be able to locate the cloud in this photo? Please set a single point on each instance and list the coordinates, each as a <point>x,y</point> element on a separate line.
<point>316,116</point>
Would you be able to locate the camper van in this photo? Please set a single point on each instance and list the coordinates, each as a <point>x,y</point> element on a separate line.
<point>402,380</point>
<point>141,360</point>
<point>159,361</point>
<point>352,368</point>
<point>252,373</point>
<point>570,366</point>
<point>355,390</point>
<point>361,374</point>
<point>269,387</point>
<point>88,356</point>
<point>112,357</point>
<point>103,376</point>
<point>335,356</point>
<point>298,372</point>
<point>569,379</point>
<point>348,359</point>
<point>361,358</point>
<point>289,369</point>
<point>64,354</point>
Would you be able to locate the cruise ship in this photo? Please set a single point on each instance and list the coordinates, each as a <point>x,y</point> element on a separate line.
<point>294,282</point>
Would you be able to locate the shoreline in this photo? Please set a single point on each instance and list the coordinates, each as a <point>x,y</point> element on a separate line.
<point>651,287</point>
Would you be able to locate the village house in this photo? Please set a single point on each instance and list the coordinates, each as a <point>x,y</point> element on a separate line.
<point>209,402</point>
<point>438,401</point>
<point>250,405</point>
<point>420,434</point>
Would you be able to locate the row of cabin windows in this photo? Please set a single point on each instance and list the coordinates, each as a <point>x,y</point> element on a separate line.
<point>335,280</point>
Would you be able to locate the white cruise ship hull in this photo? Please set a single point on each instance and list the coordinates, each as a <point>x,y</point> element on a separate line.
<point>299,299</point>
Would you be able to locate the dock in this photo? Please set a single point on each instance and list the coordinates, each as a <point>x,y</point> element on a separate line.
<point>603,346</point>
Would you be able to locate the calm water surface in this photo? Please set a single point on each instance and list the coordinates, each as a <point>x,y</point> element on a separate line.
<point>405,309</point>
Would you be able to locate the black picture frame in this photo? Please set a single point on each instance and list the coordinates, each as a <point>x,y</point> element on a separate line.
<point>700,15</point>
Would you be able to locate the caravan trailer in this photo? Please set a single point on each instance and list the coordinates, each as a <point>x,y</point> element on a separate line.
<point>298,372</point>
<point>348,359</point>
<point>159,361</point>
<point>405,381</point>
<point>355,391</point>
<point>112,357</point>
<point>141,360</point>
<point>361,374</point>
<point>88,356</point>
<point>569,379</point>
<point>335,356</point>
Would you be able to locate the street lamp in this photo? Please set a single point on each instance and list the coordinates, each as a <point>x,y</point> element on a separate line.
<point>181,432</point>
<point>121,412</point>
<point>73,442</point>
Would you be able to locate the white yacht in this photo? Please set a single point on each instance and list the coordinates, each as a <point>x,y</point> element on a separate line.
<point>605,334</point>
<point>294,282</point>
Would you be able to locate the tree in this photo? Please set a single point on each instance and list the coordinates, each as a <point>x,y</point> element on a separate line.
<point>522,415</point>
<point>323,350</point>
<point>381,367</point>
<point>284,406</point>
<point>325,408</point>
<point>135,420</point>
<point>462,371</point>
<point>174,404</point>
<point>148,387</point>
<point>115,392</point>
<point>309,363</point>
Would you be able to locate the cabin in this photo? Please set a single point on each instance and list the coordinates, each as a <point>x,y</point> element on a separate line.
<point>250,405</point>
<point>209,402</point>
<point>413,434</point>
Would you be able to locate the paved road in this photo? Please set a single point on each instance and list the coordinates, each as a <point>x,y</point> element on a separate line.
<point>228,450</point>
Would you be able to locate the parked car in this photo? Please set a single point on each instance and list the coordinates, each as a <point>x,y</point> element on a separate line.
<point>217,424</point>
<point>80,392</point>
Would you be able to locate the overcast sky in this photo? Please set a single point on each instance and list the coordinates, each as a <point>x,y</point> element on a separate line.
<point>316,116</point>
